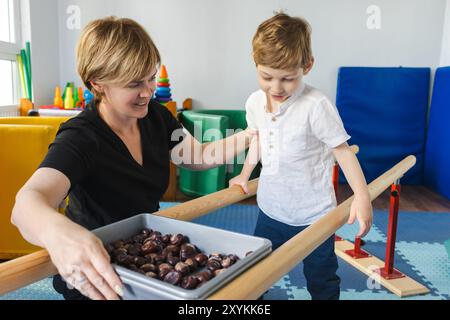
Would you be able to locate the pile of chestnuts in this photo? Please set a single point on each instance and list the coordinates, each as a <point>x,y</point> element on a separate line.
<point>170,258</point>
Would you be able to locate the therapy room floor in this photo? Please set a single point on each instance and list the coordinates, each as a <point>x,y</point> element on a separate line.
<point>422,248</point>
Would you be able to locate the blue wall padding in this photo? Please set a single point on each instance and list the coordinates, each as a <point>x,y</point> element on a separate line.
<point>384,110</point>
<point>437,154</point>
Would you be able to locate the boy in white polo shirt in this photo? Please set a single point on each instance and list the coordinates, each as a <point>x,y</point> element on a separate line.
<point>299,132</point>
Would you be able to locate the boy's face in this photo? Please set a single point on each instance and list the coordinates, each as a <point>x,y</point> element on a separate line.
<point>279,84</point>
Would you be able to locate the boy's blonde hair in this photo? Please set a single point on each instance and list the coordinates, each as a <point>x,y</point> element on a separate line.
<point>283,42</point>
<point>113,50</point>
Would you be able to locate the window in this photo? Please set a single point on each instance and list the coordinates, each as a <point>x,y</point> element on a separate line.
<point>9,48</point>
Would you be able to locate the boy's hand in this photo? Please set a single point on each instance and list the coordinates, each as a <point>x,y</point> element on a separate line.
<point>241,181</point>
<point>361,209</point>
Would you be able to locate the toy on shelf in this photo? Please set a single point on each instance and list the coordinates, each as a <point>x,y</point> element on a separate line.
<point>163,93</point>
<point>88,97</point>
<point>57,100</point>
<point>68,85</point>
<point>76,100</point>
<point>80,102</point>
<point>68,101</point>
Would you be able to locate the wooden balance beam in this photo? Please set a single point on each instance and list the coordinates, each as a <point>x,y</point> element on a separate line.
<point>255,281</point>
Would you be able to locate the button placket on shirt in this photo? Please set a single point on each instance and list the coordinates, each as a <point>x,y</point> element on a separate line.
<point>273,126</point>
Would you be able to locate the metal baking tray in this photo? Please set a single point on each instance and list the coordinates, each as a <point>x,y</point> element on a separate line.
<point>207,239</point>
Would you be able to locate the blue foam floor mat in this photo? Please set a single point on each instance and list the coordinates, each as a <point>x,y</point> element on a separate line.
<point>422,252</point>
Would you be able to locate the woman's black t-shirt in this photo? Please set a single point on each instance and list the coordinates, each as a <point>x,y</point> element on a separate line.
<point>107,184</point>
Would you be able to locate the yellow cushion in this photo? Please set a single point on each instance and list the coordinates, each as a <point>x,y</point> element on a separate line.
<point>55,122</point>
<point>23,147</point>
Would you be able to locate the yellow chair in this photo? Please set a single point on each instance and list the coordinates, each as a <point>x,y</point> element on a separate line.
<point>23,148</point>
<point>24,142</point>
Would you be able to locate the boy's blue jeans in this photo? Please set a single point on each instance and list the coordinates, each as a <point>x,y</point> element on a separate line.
<point>319,267</point>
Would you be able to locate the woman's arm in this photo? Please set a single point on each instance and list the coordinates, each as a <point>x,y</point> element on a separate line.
<point>78,254</point>
<point>361,207</point>
<point>193,155</point>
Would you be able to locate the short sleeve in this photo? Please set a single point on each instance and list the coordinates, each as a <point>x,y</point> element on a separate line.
<point>249,114</point>
<point>72,153</point>
<point>327,125</point>
<point>175,131</point>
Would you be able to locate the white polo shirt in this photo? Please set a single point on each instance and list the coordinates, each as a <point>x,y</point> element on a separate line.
<point>295,186</point>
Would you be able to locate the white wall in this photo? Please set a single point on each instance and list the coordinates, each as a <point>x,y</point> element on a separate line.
<point>206,44</point>
<point>40,26</point>
<point>445,54</point>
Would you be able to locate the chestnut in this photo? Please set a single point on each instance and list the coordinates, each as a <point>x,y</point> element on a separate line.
<point>158,259</point>
<point>187,250</point>
<point>182,268</point>
<point>213,265</point>
<point>166,238</point>
<point>120,251</point>
<point>177,239</point>
<point>192,264</point>
<point>149,247</point>
<point>155,235</point>
<point>138,238</point>
<point>227,262</point>
<point>171,259</point>
<point>145,232</point>
<point>139,261</point>
<point>118,244</point>
<point>173,277</point>
<point>189,282</point>
<point>219,271</point>
<point>148,267</point>
<point>201,259</point>
<point>175,250</point>
<point>134,250</point>
<point>216,255</point>
<point>164,269</point>
<point>204,276</point>
<point>133,267</point>
<point>121,258</point>
<point>151,275</point>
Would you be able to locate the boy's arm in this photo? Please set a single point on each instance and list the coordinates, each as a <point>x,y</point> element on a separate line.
<point>361,207</point>
<point>252,159</point>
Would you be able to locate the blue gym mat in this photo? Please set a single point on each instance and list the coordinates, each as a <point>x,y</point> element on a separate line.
<point>422,252</point>
<point>437,156</point>
<point>384,110</point>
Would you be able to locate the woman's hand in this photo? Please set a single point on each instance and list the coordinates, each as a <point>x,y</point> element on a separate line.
<point>241,181</point>
<point>83,262</point>
<point>251,133</point>
<point>361,209</point>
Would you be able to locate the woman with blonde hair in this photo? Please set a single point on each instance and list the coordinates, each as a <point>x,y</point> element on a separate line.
<point>112,159</point>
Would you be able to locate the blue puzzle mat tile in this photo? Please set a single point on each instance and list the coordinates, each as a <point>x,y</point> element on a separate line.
<point>417,227</point>
<point>42,290</point>
<point>348,232</point>
<point>436,274</point>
